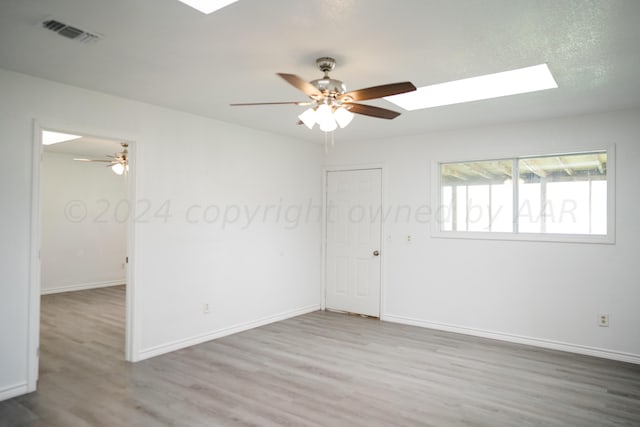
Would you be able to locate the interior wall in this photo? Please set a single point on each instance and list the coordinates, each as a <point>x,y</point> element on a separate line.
<point>547,294</point>
<point>195,181</point>
<point>84,224</point>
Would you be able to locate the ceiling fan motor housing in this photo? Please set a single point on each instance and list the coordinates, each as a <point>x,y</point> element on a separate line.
<point>329,86</point>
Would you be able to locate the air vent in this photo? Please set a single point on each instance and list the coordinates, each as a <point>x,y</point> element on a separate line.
<point>70,32</point>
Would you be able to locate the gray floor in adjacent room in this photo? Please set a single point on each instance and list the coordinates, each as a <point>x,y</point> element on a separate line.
<point>323,369</point>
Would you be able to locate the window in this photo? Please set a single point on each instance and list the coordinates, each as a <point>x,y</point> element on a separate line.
<point>552,195</point>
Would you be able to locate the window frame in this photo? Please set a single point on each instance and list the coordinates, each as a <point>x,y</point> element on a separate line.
<point>609,238</point>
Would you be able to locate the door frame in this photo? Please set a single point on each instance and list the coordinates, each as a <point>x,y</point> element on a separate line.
<point>383,238</point>
<point>33,328</point>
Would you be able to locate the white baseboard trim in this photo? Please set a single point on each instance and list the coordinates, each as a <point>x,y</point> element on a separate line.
<point>80,287</point>
<point>198,339</point>
<point>518,339</point>
<point>13,391</point>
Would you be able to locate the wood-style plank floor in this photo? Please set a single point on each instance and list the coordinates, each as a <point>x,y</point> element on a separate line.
<point>320,369</point>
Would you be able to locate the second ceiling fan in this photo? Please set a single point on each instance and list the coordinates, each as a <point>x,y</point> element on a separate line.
<point>330,103</point>
<point>119,162</point>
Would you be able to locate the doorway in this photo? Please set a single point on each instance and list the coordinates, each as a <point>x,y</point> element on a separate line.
<point>353,224</point>
<point>84,209</point>
<point>81,227</point>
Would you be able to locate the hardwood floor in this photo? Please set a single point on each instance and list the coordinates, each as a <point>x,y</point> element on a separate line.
<point>322,369</point>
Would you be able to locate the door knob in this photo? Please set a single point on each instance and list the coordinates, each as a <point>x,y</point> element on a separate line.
<point>376,253</point>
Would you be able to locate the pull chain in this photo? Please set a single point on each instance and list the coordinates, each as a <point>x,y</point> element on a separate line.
<point>326,141</point>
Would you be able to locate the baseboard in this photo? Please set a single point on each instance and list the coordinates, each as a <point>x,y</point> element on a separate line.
<point>80,287</point>
<point>518,339</point>
<point>199,339</point>
<point>13,391</point>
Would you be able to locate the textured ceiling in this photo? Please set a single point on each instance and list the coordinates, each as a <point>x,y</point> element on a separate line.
<point>165,53</point>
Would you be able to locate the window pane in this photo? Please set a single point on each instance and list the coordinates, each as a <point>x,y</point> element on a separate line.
<point>502,207</point>
<point>529,218</point>
<point>460,217</point>
<point>478,205</point>
<point>567,207</point>
<point>480,196</point>
<point>557,195</point>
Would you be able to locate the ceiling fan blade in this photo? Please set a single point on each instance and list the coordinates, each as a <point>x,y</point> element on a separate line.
<point>378,91</point>
<point>303,85</point>
<point>270,103</point>
<point>370,110</point>
<point>92,160</point>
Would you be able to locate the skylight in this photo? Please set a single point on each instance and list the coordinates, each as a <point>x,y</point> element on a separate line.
<point>49,137</point>
<point>522,80</point>
<point>207,6</point>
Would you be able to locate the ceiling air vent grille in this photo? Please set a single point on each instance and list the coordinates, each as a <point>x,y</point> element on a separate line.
<point>70,32</point>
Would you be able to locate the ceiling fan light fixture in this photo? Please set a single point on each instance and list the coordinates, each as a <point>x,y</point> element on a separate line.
<point>308,117</point>
<point>324,118</point>
<point>118,168</point>
<point>343,116</point>
<point>329,126</point>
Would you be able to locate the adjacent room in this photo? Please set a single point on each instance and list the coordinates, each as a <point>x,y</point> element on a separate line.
<point>320,212</point>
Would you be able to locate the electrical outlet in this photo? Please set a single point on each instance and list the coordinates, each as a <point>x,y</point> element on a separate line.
<point>603,320</point>
<point>205,308</point>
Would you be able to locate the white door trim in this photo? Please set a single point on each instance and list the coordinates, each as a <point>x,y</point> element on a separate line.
<point>33,322</point>
<point>33,325</point>
<point>342,168</point>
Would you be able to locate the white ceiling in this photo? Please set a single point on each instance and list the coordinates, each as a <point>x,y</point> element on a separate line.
<point>166,53</point>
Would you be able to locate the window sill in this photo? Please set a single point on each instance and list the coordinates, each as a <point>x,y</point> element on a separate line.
<point>527,237</point>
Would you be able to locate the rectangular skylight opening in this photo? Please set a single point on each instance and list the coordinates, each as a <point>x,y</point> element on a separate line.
<point>207,6</point>
<point>522,80</point>
<point>50,138</point>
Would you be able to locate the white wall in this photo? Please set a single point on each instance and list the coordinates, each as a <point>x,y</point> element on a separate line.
<point>548,294</point>
<point>84,224</point>
<point>248,275</point>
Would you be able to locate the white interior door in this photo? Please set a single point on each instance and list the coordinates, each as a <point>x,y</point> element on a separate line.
<point>353,225</point>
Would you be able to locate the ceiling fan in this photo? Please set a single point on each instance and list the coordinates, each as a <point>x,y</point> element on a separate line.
<point>330,103</point>
<point>119,163</point>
